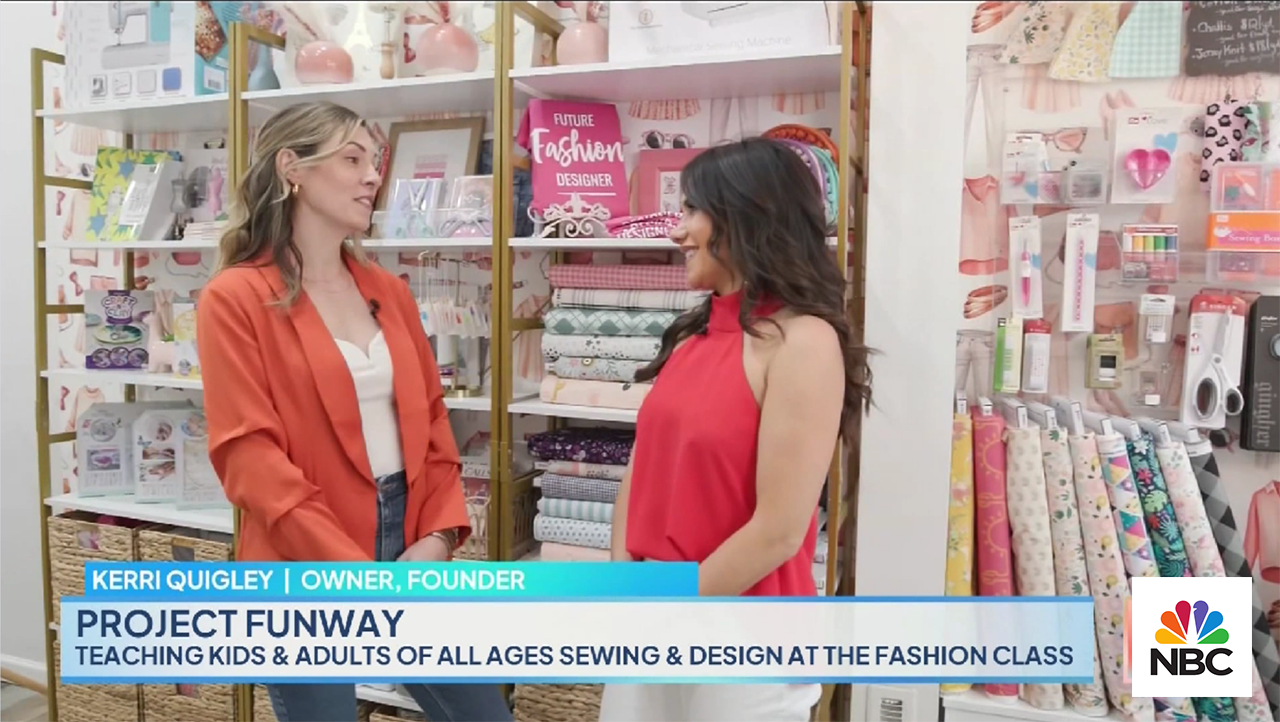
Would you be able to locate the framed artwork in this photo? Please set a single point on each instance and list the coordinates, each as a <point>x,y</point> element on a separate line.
<point>658,179</point>
<point>429,149</point>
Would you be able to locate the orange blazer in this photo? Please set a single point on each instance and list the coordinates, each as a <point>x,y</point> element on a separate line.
<point>285,435</point>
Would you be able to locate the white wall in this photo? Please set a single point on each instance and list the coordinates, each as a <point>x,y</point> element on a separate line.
<point>917,103</point>
<point>22,26</point>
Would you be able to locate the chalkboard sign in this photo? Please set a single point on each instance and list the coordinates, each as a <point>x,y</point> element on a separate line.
<point>1233,37</point>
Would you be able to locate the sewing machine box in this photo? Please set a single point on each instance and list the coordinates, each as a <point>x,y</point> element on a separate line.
<point>124,51</point>
<point>116,332</point>
<point>1260,422</point>
<point>104,447</point>
<point>664,30</point>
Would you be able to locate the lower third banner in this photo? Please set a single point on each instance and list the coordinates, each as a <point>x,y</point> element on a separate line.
<point>1008,640</point>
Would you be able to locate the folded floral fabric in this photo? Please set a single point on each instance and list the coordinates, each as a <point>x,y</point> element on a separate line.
<point>555,552</point>
<point>959,569</point>
<point>607,321</point>
<point>582,468</point>
<point>597,511</point>
<point>572,531</point>
<point>995,567</point>
<point>1032,539</point>
<point>1230,540</point>
<point>597,394</point>
<point>595,369</point>
<point>638,277</point>
<point>1206,561</point>
<point>1135,545</point>
<point>634,348</point>
<point>594,445</point>
<point>626,298</point>
<point>578,488</point>
<point>1071,575</point>
<point>1107,581</point>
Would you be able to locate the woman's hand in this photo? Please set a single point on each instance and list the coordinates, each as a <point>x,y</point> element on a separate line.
<point>1273,616</point>
<point>430,548</point>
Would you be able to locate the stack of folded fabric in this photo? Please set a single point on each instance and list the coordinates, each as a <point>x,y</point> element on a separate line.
<point>582,470</point>
<point>606,323</point>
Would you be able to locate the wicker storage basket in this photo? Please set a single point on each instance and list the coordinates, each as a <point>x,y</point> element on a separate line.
<point>174,544</point>
<point>558,702</point>
<point>262,709</point>
<point>185,702</point>
<point>75,538</point>
<point>524,507</point>
<point>95,702</point>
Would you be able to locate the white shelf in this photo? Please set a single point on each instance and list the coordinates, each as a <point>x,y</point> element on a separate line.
<point>406,244</point>
<point>166,381</point>
<point>468,403</point>
<point>976,705</point>
<point>398,98</point>
<point>176,115</point>
<point>596,244</point>
<point>219,520</point>
<point>380,696</point>
<point>720,76</point>
<point>175,246</point>
<point>535,407</point>
<point>135,378</point>
<point>606,244</point>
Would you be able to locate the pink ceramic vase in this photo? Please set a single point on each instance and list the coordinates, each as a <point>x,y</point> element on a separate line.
<point>444,46</point>
<point>582,42</point>
<point>321,62</point>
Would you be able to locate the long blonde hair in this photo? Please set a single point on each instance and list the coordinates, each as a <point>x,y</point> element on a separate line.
<point>261,213</point>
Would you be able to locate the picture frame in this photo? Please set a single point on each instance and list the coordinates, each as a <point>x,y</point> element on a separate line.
<point>657,187</point>
<point>446,148</point>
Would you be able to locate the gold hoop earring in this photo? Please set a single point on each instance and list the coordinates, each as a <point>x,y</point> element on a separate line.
<point>295,189</point>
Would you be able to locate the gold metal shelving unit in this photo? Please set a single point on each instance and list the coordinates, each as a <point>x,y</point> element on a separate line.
<point>507,491</point>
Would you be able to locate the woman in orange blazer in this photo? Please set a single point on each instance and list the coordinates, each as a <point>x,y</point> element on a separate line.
<point>327,423</point>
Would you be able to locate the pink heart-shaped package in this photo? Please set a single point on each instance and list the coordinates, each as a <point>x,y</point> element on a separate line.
<point>1147,167</point>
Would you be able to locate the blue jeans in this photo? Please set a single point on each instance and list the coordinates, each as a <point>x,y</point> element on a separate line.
<point>440,702</point>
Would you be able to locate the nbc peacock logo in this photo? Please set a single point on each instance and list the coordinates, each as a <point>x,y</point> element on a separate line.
<point>1191,642</point>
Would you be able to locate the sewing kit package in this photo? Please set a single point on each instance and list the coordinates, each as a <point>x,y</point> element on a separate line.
<point>116,333</point>
<point>105,447</point>
<point>575,151</point>
<point>126,51</point>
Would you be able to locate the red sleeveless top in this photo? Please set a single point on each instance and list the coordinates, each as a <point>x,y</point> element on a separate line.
<point>693,474</point>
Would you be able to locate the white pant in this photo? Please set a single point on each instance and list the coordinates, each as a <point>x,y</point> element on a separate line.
<point>708,702</point>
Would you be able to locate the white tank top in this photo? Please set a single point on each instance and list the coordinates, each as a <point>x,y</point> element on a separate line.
<point>373,377</point>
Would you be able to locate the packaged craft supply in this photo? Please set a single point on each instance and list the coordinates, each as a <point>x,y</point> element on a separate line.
<point>1149,253</point>
<point>159,436</point>
<point>1105,353</point>
<point>1144,155</point>
<point>116,333</point>
<point>186,359</point>
<point>199,487</point>
<point>105,447</point>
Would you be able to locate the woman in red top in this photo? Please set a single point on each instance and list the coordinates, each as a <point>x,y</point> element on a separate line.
<point>734,441</point>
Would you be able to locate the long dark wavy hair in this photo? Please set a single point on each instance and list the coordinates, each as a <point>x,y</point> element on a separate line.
<point>769,227</point>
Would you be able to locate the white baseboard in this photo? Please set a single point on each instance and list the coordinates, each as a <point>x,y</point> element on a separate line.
<point>29,668</point>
